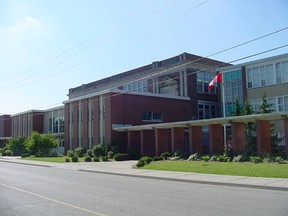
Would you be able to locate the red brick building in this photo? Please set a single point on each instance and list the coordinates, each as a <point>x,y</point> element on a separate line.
<point>170,90</point>
<point>5,129</point>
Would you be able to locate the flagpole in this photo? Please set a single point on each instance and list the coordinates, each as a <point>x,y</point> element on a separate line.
<point>224,107</point>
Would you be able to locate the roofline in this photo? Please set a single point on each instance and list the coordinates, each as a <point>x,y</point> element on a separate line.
<point>271,58</point>
<point>226,120</point>
<point>28,111</point>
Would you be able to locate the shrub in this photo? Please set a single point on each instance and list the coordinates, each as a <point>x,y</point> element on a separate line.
<point>279,160</point>
<point>120,157</point>
<point>165,155</point>
<point>179,154</point>
<point>1,150</point>
<point>79,152</point>
<point>213,158</point>
<point>256,159</point>
<point>96,159</point>
<point>110,154</point>
<point>98,150</point>
<point>268,160</point>
<point>105,158</point>
<point>8,152</point>
<point>70,153</point>
<point>87,159</point>
<point>74,158</point>
<point>194,157</point>
<point>157,158</point>
<point>205,158</point>
<point>222,158</point>
<point>67,160</point>
<point>144,161</point>
<point>90,153</point>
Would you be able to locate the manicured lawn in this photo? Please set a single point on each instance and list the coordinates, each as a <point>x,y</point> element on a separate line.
<point>50,159</point>
<point>238,169</point>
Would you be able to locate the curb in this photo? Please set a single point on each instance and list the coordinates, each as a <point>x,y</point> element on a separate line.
<point>23,163</point>
<point>192,181</point>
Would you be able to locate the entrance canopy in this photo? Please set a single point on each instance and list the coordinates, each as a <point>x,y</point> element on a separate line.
<point>226,120</point>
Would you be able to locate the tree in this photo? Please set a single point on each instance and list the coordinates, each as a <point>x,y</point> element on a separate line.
<point>41,144</point>
<point>17,145</point>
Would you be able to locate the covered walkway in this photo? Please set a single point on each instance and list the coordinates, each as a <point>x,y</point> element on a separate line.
<point>153,139</point>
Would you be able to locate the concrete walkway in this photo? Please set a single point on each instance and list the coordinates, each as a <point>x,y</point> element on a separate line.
<point>128,168</point>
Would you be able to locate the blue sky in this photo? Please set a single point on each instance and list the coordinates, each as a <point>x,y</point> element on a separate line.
<point>49,46</point>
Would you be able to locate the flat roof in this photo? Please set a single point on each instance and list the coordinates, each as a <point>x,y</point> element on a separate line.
<point>226,120</point>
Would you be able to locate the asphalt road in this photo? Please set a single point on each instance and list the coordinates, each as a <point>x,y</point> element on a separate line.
<point>30,190</point>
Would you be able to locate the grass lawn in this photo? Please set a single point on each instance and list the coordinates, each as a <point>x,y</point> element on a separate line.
<point>50,159</point>
<point>238,169</point>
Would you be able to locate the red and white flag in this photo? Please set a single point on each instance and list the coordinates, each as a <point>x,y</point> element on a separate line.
<point>216,79</point>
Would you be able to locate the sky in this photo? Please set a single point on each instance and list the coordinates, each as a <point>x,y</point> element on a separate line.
<point>50,46</point>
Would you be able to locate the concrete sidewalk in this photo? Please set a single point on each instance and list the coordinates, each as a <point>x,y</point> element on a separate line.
<point>128,168</point>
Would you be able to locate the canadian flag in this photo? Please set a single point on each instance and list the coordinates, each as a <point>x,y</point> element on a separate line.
<point>216,79</point>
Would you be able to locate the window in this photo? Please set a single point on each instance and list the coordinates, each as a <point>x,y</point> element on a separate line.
<point>207,110</point>
<point>203,80</point>
<point>269,74</point>
<point>61,122</point>
<point>151,116</point>
<point>141,86</point>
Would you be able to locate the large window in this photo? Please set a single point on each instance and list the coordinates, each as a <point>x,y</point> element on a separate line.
<point>203,80</point>
<point>233,90</point>
<point>277,104</point>
<point>152,116</point>
<point>269,74</point>
<point>207,110</point>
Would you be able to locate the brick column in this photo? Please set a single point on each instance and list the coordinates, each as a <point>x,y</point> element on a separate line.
<point>238,137</point>
<point>147,142</point>
<point>134,140</point>
<point>162,141</point>
<point>216,138</point>
<point>75,124</point>
<point>263,136</point>
<point>85,123</point>
<point>195,139</point>
<point>177,139</point>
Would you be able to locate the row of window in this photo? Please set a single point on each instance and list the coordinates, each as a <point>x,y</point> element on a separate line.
<point>141,86</point>
<point>266,75</point>
<point>56,125</point>
<point>277,104</point>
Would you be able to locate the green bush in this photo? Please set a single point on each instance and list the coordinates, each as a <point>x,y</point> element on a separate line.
<point>194,157</point>
<point>157,158</point>
<point>1,150</point>
<point>70,153</point>
<point>213,158</point>
<point>279,160</point>
<point>79,152</point>
<point>87,159</point>
<point>7,153</point>
<point>89,153</point>
<point>74,159</point>
<point>268,160</point>
<point>222,158</point>
<point>144,161</point>
<point>105,158</point>
<point>98,150</point>
<point>132,153</point>
<point>256,159</point>
<point>121,157</point>
<point>110,154</point>
<point>165,155</point>
<point>205,158</point>
<point>96,159</point>
<point>67,160</point>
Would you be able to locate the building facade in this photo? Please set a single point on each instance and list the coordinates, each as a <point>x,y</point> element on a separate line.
<point>5,129</point>
<point>174,89</point>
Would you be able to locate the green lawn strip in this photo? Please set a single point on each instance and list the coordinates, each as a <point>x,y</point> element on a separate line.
<point>50,159</point>
<point>237,169</point>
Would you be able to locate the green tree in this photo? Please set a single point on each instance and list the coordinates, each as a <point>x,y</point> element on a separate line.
<point>41,144</point>
<point>17,145</point>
